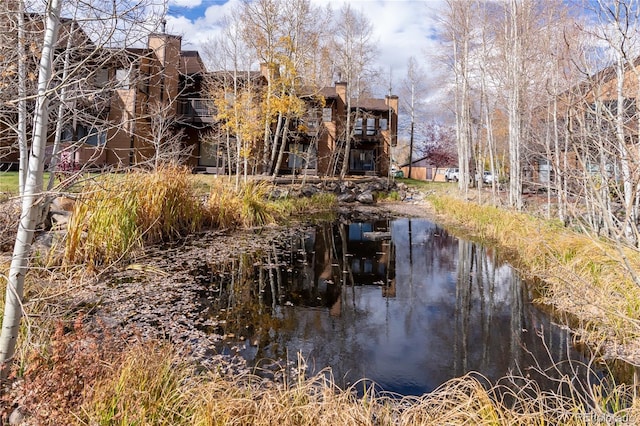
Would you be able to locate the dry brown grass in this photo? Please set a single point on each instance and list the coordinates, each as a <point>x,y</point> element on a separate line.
<point>172,395</point>
<point>118,214</point>
<point>78,378</point>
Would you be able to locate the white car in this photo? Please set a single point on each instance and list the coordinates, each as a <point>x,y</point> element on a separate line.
<point>487,178</point>
<point>451,173</point>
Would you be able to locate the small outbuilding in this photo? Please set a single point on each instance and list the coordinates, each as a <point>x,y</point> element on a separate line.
<point>424,169</point>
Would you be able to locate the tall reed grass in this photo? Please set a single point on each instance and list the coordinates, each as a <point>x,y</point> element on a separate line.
<point>120,213</point>
<point>321,202</point>
<point>117,215</point>
<point>247,206</point>
<point>147,388</point>
<point>251,205</point>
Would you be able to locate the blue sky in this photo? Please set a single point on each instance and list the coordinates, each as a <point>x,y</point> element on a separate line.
<point>192,9</point>
<point>402,28</point>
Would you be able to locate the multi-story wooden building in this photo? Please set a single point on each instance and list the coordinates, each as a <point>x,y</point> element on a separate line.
<point>592,129</point>
<point>149,94</point>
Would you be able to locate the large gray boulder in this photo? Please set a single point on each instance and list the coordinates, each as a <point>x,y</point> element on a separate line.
<point>366,197</point>
<point>347,197</point>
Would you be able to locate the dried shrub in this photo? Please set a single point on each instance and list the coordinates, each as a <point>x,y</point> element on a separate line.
<point>147,388</point>
<point>61,375</point>
<point>9,216</point>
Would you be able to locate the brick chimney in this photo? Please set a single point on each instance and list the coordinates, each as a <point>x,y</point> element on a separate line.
<point>341,90</point>
<point>392,102</point>
<point>264,70</point>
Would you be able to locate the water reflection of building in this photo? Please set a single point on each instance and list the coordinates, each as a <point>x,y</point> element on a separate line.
<point>370,251</point>
<point>332,255</point>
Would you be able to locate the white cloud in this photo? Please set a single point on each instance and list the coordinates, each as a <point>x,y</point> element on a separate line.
<point>402,28</point>
<point>197,30</point>
<point>185,3</point>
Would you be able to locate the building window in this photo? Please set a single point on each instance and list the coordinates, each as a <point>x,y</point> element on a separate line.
<point>302,156</point>
<point>122,79</point>
<point>362,160</point>
<point>607,111</point>
<point>67,134</point>
<point>383,124</point>
<point>91,136</point>
<point>102,77</point>
<point>327,115</point>
<point>371,126</point>
<point>358,127</point>
<point>311,123</point>
<point>83,134</point>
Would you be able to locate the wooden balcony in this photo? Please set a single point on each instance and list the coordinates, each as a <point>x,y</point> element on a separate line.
<point>195,110</point>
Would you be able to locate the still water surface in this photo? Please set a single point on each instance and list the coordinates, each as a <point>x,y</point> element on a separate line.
<point>402,303</point>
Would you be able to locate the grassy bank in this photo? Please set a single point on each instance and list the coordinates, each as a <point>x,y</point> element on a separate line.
<point>117,215</point>
<point>591,279</point>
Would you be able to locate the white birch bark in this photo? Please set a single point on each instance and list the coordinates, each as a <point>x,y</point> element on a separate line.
<point>630,219</point>
<point>513,107</point>
<point>459,28</point>
<point>22,100</point>
<point>61,109</point>
<point>32,191</point>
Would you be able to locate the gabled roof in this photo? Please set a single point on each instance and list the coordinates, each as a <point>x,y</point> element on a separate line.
<point>68,28</point>
<point>424,160</point>
<point>329,92</point>
<point>605,75</point>
<point>370,104</point>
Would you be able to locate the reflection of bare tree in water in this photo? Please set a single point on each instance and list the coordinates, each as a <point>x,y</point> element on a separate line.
<point>466,250</point>
<point>517,321</point>
<point>328,268</point>
<point>477,310</point>
<point>347,273</point>
<point>487,307</point>
<point>330,293</point>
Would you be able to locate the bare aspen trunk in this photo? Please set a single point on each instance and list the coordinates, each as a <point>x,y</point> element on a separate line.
<point>557,176</point>
<point>227,141</point>
<point>61,108</point>
<point>283,144</point>
<point>459,29</point>
<point>274,146</point>
<point>347,141</point>
<point>267,123</point>
<point>238,160</point>
<point>32,191</point>
<point>513,107</point>
<point>630,216</point>
<point>22,100</point>
<point>489,136</point>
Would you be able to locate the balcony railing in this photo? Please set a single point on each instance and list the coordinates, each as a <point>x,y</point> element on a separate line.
<point>195,110</point>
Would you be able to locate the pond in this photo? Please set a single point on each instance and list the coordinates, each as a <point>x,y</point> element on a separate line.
<point>400,302</point>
